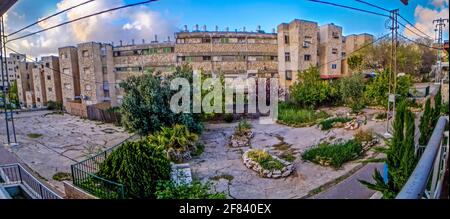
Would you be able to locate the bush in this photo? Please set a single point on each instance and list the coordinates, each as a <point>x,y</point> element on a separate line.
<point>329,123</point>
<point>243,128</point>
<point>445,108</point>
<point>350,90</point>
<point>146,104</point>
<point>290,114</point>
<point>56,106</point>
<point>265,160</point>
<point>139,166</point>
<point>334,155</point>
<point>228,118</point>
<point>363,136</point>
<point>197,190</point>
<point>310,90</point>
<point>178,142</point>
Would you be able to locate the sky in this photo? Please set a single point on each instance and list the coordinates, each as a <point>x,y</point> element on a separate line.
<point>165,17</point>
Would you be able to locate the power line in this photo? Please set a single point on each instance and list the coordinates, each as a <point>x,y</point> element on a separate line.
<point>419,43</point>
<point>375,6</point>
<point>348,7</point>
<point>406,27</point>
<point>46,18</point>
<point>412,25</point>
<point>357,50</point>
<point>81,18</point>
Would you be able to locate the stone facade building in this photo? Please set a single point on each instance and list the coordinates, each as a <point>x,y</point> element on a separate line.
<point>96,73</point>
<point>25,84</point>
<point>50,66</point>
<point>330,51</point>
<point>351,43</point>
<point>137,59</point>
<point>11,69</point>
<point>297,50</point>
<point>231,53</point>
<point>39,85</point>
<point>70,73</point>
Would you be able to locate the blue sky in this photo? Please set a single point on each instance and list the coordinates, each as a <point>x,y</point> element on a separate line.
<point>234,14</point>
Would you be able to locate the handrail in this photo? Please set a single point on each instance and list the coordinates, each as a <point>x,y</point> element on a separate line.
<point>417,182</point>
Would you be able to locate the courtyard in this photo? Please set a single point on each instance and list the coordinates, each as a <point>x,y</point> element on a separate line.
<point>49,143</point>
<point>222,164</point>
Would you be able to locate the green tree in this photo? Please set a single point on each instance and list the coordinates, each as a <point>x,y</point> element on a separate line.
<point>400,158</point>
<point>437,107</point>
<point>425,125</point>
<point>310,90</point>
<point>146,104</point>
<point>351,89</point>
<point>140,166</point>
<point>13,94</point>
<point>377,90</point>
<point>355,62</point>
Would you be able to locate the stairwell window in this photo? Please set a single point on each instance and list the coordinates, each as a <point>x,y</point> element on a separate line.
<point>307,57</point>
<point>287,57</point>
<point>333,66</point>
<point>288,75</point>
<point>286,39</point>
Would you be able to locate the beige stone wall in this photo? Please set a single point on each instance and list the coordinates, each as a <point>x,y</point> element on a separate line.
<point>52,78</point>
<point>330,50</point>
<point>25,83</point>
<point>39,86</point>
<point>303,40</point>
<point>350,45</point>
<point>70,73</point>
<point>30,99</point>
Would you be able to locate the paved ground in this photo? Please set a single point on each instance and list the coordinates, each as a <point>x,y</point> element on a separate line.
<point>219,161</point>
<point>63,140</point>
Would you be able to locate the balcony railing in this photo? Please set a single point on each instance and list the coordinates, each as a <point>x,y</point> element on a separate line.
<point>15,174</point>
<point>427,180</point>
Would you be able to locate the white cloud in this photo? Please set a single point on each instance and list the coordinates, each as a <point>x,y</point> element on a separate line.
<point>424,18</point>
<point>126,24</point>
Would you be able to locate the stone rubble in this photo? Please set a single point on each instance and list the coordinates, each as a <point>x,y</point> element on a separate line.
<point>274,174</point>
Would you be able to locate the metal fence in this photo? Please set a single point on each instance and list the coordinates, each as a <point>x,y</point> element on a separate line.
<point>427,180</point>
<point>15,174</point>
<point>84,176</point>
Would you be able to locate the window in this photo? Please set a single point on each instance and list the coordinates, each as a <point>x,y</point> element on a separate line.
<point>288,75</point>
<point>136,52</point>
<point>334,51</point>
<point>88,87</point>
<point>343,54</point>
<point>105,85</point>
<point>287,57</point>
<point>85,53</point>
<point>153,50</point>
<point>333,66</point>
<point>50,89</point>
<point>224,40</point>
<point>38,99</point>
<point>206,40</point>
<point>49,77</point>
<point>66,71</point>
<point>168,50</point>
<point>286,39</point>
<point>116,54</point>
<point>181,58</point>
<point>273,58</point>
<point>335,35</point>
<point>103,51</point>
<point>68,86</point>
<point>206,58</point>
<point>181,41</point>
<point>104,70</point>
<point>47,65</point>
<point>242,40</point>
<point>86,70</point>
<point>307,57</point>
<point>64,55</point>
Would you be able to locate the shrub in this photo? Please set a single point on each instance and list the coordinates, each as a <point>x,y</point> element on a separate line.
<point>197,190</point>
<point>350,90</point>
<point>329,123</point>
<point>291,114</point>
<point>445,108</point>
<point>426,126</point>
<point>334,155</point>
<point>228,117</point>
<point>310,90</point>
<point>363,136</point>
<point>139,166</point>
<point>265,160</point>
<point>56,106</point>
<point>243,128</point>
<point>381,116</point>
<point>146,104</point>
<point>178,142</point>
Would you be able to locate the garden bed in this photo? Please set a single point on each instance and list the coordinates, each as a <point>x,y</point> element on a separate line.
<point>334,154</point>
<point>242,135</point>
<point>266,165</point>
<point>291,115</point>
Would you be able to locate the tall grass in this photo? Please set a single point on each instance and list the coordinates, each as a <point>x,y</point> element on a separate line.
<point>290,114</point>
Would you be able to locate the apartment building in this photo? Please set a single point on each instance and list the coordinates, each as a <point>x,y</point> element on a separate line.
<point>231,53</point>
<point>135,59</point>
<point>330,51</point>
<point>39,85</point>
<point>70,74</point>
<point>96,73</point>
<point>52,78</point>
<point>25,84</point>
<point>297,50</point>
<point>351,43</point>
<point>11,69</point>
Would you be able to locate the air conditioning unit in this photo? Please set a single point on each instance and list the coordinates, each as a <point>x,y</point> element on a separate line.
<point>217,58</point>
<point>305,44</point>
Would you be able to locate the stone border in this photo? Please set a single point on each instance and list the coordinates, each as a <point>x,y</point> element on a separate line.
<point>238,141</point>
<point>274,174</point>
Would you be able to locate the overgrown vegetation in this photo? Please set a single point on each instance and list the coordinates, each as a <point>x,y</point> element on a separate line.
<point>60,176</point>
<point>377,89</point>
<point>243,128</point>
<point>55,105</point>
<point>290,114</point>
<point>178,142</point>
<point>140,166</point>
<point>264,159</point>
<point>197,190</point>
<point>34,135</point>
<point>363,136</point>
<point>329,123</point>
<point>334,155</point>
<point>401,159</point>
<point>146,104</point>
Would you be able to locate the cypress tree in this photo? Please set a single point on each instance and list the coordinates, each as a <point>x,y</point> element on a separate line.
<point>425,123</point>
<point>409,160</point>
<point>437,108</point>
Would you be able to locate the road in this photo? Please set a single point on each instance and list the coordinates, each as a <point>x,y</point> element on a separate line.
<point>351,188</point>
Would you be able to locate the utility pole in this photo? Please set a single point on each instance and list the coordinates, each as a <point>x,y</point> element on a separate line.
<point>392,72</point>
<point>440,24</point>
<point>4,91</point>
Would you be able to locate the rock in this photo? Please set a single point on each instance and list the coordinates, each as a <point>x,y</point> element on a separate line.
<point>277,172</point>
<point>286,174</point>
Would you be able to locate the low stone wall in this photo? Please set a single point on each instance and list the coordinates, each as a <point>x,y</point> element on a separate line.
<point>275,174</point>
<point>73,192</point>
<point>76,109</point>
